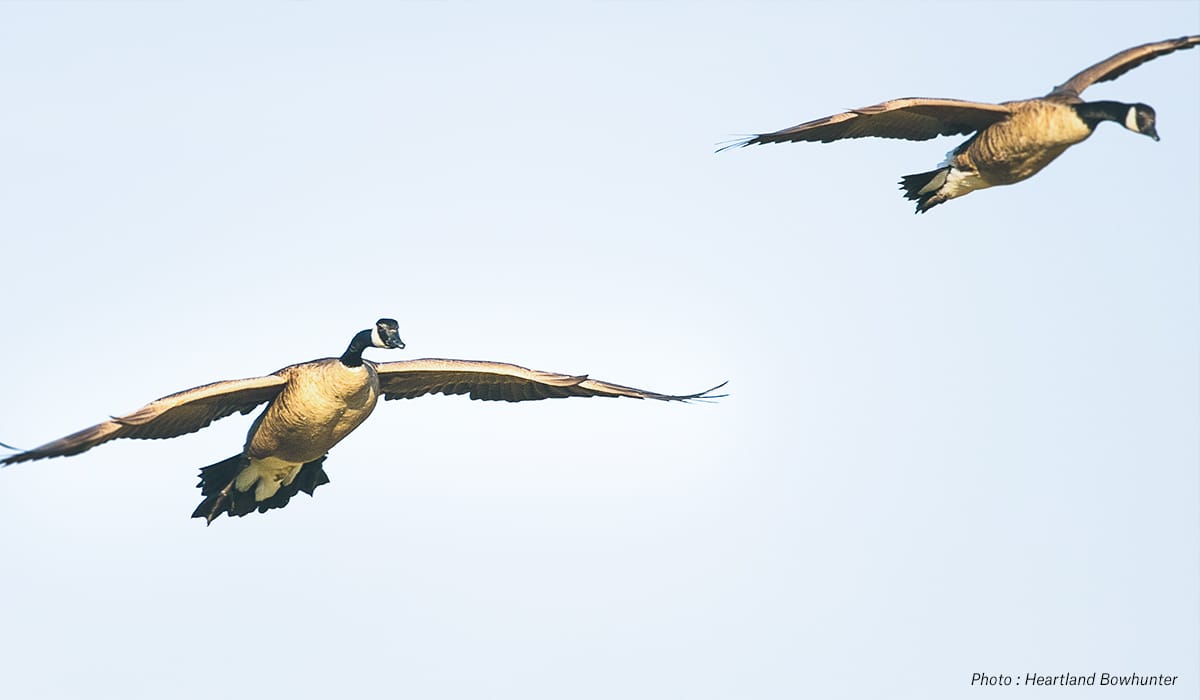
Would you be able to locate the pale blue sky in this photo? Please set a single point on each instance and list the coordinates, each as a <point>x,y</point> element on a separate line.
<point>957,442</point>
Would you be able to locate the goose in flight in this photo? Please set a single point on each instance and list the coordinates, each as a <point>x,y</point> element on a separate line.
<point>1011,141</point>
<point>311,406</point>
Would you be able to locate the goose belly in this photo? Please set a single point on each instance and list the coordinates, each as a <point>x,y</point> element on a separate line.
<point>266,476</point>
<point>959,182</point>
<point>315,410</point>
<point>1022,145</point>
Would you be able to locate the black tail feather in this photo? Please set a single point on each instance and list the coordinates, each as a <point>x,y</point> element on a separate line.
<point>220,496</point>
<point>924,188</point>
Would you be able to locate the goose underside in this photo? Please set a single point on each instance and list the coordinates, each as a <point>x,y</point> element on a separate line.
<point>936,186</point>
<point>218,484</point>
<point>925,188</point>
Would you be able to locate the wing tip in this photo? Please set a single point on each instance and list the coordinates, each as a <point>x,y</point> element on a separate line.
<point>706,396</point>
<point>739,142</point>
<point>20,456</point>
<point>11,459</point>
<point>27,456</point>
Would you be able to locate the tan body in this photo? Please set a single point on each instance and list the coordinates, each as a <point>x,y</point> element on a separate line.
<point>1035,133</point>
<point>1019,147</point>
<point>321,403</point>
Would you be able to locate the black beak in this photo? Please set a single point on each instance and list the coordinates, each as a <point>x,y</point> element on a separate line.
<point>1152,133</point>
<point>395,343</point>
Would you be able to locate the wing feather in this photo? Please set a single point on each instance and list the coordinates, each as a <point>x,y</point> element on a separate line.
<point>500,381</point>
<point>911,118</point>
<point>177,414</point>
<point>1121,63</point>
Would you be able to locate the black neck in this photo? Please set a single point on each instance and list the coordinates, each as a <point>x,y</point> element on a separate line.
<point>353,355</point>
<point>1092,113</point>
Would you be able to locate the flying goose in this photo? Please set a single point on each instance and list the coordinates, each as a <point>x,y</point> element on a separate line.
<point>1012,140</point>
<point>311,406</point>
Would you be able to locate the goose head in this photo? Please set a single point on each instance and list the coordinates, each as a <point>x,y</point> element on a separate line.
<point>386,334</point>
<point>1140,119</point>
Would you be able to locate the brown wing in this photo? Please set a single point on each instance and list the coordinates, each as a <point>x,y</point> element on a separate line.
<point>912,118</point>
<point>1119,64</point>
<point>170,416</point>
<point>499,381</point>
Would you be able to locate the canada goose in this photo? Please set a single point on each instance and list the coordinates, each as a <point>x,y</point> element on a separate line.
<point>1012,140</point>
<point>311,406</point>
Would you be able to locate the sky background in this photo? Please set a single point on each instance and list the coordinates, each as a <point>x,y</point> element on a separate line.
<point>967,441</point>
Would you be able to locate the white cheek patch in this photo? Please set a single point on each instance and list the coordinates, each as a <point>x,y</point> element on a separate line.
<point>375,339</point>
<point>1131,122</point>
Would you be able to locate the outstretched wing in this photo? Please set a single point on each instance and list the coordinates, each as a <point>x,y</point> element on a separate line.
<point>912,118</point>
<point>499,381</point>
<point>1121,63</point>
<point>170,416</point>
